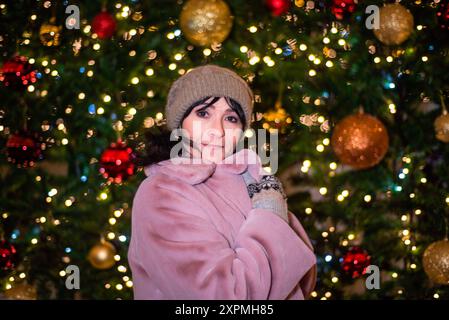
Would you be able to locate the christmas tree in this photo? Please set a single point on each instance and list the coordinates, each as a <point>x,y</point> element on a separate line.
<point>355,89</point>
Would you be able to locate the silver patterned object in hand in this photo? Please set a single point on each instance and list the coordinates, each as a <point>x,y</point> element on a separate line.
<point>267,182</point>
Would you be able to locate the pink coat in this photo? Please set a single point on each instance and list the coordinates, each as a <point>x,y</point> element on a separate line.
<point>195,236</point>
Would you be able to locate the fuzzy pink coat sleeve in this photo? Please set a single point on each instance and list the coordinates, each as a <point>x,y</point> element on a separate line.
<point>187,258</point>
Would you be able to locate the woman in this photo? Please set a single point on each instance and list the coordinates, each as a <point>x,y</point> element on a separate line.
<point>215,228</point>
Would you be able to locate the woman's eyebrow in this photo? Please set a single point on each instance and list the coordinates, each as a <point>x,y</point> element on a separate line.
<point>229,110</point>
<point>206,106</point>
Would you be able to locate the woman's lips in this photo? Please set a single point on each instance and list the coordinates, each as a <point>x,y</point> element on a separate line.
<point>211,145</point>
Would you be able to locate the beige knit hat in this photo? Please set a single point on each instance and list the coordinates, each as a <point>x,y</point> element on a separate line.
<point>203,81</point>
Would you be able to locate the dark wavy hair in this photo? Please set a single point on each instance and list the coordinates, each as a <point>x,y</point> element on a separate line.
<point>157,140</point>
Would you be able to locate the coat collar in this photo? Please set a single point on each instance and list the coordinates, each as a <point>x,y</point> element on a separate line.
<point>185,169</point>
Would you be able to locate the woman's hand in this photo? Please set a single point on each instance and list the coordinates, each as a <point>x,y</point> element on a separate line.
<point>267,194</point>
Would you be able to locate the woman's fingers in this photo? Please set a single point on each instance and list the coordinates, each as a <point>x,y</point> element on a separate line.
<point>248,178</point>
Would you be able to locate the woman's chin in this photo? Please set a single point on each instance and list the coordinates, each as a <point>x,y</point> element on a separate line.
<point>213,154</point>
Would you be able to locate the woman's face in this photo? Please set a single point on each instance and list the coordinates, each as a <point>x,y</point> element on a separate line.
<point>214,130</point>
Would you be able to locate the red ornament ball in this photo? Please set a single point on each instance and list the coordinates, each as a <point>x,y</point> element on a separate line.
<point>355,262</point>
<point>104,25</point>
<point>8,255</point>
<point>343,8</point>
<point>278,7</point>
<point>24,149</point>
<point>17,73</point>
<point>116,162</point>
<point>443,14</point>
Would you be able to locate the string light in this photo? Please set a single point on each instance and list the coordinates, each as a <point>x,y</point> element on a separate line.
<point>307,163</point>
<point>135,80</point>
<point>323,190</point>
<point>118,213</point>
<point>207,52</point>
<point>254,60</point>
<point>149,72</point>
<point>121,268</point>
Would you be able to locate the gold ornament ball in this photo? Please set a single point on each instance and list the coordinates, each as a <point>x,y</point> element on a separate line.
<point>436,262</point>
<point>101,256</point>
<point>396,24</point>
<point>50,35</point>
<point>22,291</point>
<point>299,3</point>
<point>205,22</point>
<point>441,125</point>
<point>360,140</point>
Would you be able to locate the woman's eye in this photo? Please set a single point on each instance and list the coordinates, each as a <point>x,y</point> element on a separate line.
<point>233,119</point>
<point>201,113</point>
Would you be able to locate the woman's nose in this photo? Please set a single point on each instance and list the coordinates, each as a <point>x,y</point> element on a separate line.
<point>217,128</point>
